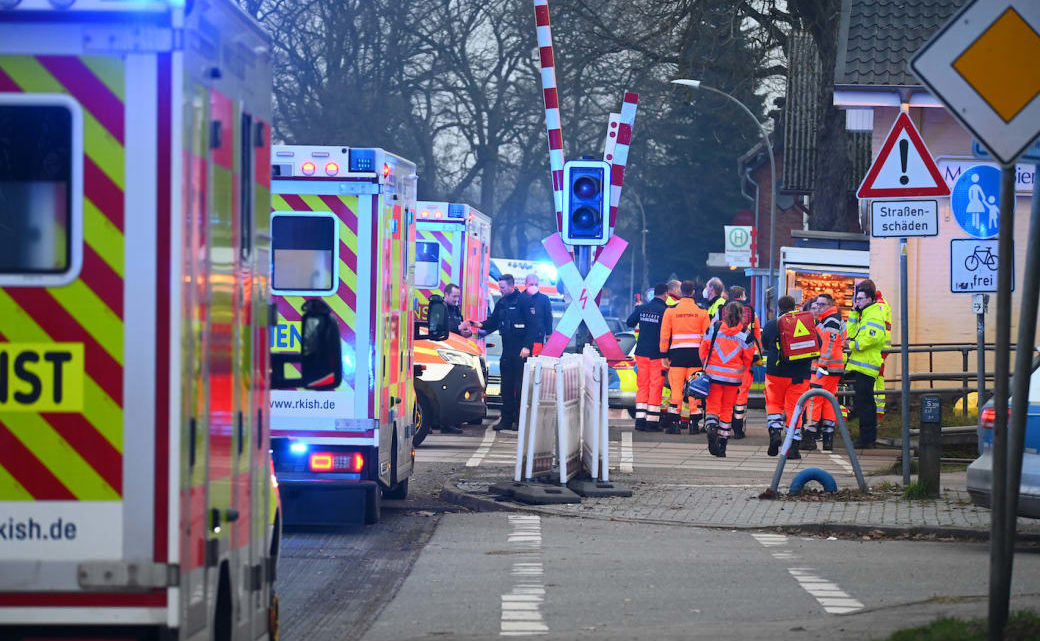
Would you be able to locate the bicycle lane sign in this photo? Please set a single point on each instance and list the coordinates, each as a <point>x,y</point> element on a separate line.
<point>973,266</point>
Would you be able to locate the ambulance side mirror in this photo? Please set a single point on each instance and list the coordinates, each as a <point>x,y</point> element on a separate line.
<point>437,315</point>
<point>321,354</point>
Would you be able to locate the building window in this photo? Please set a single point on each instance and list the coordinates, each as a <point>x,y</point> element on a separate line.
<point>306,253</point>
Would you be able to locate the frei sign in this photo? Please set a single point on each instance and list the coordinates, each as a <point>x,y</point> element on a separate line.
<point>973,266</point>
<point>738,245</point>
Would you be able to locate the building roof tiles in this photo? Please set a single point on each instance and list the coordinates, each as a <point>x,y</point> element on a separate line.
<point>878,37</point>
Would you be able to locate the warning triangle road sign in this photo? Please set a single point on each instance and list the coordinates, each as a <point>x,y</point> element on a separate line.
<point>800,329</point>
<point>903,168</point>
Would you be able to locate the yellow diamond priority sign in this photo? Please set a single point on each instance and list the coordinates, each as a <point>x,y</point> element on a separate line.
<point>982,66</point>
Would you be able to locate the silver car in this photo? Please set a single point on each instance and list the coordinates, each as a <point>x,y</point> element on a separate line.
<point>980,472</point>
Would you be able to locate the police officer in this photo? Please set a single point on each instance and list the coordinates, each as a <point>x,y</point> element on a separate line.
<point>513,318</point>
<point>649,363</point>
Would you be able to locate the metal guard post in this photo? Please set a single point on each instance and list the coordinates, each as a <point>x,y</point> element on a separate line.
<point>840,420</point>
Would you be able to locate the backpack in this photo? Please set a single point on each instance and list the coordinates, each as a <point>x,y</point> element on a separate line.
<point>798,336</point>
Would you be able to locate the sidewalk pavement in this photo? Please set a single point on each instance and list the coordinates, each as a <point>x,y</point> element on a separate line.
<point>699,500</point>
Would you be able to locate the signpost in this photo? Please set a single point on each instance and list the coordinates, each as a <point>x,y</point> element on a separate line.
<point>972,65</point>
<point>974,201</point>
<point>973,266</point>
<point>738,245</point>
<point>902,173</point>
<point>898,218</point>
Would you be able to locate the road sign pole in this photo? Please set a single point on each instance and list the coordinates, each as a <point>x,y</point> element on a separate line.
<point>904,332</point>
<point>980,337</point>
<point>999,564</point>
<point>1020,381</point>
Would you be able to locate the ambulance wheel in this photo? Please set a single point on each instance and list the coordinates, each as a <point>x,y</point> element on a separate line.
<point>398,492</point>
<point>272,617</point>
<point>373,506</point>
<point>423,420</point>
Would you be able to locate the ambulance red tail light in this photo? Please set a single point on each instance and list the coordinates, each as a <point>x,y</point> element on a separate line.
<point>386,170</point>
<point>343,462</point>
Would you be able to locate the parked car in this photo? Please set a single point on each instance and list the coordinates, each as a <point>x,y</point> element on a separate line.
<point>980,472</point>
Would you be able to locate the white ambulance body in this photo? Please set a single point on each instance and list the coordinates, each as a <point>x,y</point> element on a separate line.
<point>343,229</point>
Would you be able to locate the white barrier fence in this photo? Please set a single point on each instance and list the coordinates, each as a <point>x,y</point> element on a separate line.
<point>563,417</point>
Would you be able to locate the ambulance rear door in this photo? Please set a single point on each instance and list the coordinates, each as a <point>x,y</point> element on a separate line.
<point>440,245</point>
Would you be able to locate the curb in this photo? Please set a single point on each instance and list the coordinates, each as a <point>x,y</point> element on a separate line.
<point>454,495</point>
<point>476,503</point>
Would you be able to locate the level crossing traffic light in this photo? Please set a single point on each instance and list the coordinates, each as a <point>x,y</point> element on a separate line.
<point>586,203</point>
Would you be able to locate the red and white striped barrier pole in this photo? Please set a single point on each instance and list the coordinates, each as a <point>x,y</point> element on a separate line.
<point>553,131</point>
<point>611,142</point>
<point>620,159</point>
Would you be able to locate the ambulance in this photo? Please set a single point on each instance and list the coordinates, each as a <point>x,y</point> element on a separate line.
<point>342,232</point>
<point>136,495</point>
<point>452,245</point>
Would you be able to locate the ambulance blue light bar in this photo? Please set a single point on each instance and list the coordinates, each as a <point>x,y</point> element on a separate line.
<point>455,210</point>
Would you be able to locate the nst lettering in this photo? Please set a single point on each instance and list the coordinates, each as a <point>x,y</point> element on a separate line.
<point>41,377</point>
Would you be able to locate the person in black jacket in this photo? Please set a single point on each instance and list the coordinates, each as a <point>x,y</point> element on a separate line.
<point>456,324</point>
<point>513,318</point>
<point>649,363</point>
<point>543,318</point>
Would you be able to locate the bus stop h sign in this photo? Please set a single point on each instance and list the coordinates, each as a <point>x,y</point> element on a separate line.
<point>981,66</point>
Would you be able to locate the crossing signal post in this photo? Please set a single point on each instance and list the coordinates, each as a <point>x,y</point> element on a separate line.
<point>586,211</point>
<point>586,203</point>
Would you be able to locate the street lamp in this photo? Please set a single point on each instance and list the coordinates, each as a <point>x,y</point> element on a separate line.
<point>696,84</point>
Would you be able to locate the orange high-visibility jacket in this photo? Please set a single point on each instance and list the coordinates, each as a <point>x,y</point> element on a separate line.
<point>831,331</point>
<point>731,356</point>
<point>683,327</point>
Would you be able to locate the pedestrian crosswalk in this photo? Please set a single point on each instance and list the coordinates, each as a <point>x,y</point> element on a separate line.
<point>498,449</point>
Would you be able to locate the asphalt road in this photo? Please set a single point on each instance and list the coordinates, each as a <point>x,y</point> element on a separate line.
<point>334,582</point>
<point>612,580</point>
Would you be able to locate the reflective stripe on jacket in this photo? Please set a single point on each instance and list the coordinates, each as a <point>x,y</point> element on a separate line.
<point>831,331</point>
<point>867,341</point>
<point>731,357</point>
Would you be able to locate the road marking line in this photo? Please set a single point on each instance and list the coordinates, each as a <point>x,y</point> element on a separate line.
<point>485,447</point>
<point>843,463</point>
<point>827,593</point>
<point>816,586</point>
<point>770,540</point>
<point>626,452</point>
<point>521,608</point>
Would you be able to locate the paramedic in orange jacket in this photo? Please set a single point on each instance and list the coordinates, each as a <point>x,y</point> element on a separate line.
<point>736,293</point>
<point>725,363</point>
<point>786,381</point>
<point>828,368</point>
<point>682,329</point>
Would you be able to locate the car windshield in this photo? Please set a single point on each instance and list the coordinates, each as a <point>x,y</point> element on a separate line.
<point>627,342</point>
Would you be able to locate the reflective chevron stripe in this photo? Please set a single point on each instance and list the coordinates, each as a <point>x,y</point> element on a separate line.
<point>73,450</point>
